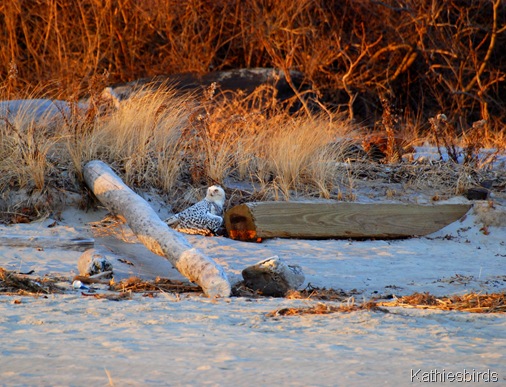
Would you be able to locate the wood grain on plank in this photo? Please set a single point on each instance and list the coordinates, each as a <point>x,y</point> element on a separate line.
<point>253,221</point>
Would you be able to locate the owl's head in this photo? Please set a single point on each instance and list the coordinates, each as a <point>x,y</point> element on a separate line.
<point>216,194</point>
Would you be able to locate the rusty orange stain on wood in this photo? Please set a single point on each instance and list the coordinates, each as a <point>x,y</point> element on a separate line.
<point>244,235</point>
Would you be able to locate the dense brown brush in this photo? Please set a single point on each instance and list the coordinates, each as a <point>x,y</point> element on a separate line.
<point>381,147</point>
<point>444,135</point>
<point>358,55</point>
<point>435,56</point>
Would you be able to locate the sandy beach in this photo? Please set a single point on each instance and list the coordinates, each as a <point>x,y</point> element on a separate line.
<point>187,339</point>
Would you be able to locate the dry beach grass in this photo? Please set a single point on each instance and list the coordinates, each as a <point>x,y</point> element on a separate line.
<point>176,144</point>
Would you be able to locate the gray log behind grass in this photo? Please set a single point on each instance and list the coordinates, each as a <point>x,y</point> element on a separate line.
<point>153,232</point>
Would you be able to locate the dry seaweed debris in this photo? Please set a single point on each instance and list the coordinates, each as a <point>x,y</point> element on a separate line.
<point>137,285</point>
<point>322,308</point>
<point>12,283</point>
<point>471,302</point>
<point>324,294</point>
<point>108,296</point>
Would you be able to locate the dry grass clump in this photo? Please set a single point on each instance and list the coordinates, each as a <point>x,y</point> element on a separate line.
<point>179,143</point>
<point>141,137</point>
<point>26,151</point>
<point>303,156</point>
<point>252,138</point>
<point>157,139</point>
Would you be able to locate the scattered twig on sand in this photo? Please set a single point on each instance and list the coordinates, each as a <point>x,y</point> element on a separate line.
<point>109,296</point>
<point>324,294</point>
<point>109,377</point>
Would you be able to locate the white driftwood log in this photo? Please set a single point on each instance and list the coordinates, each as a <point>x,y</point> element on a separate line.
<point>153,232</point>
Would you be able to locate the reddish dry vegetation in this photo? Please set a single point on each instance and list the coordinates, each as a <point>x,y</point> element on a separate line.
<point>426,56</point>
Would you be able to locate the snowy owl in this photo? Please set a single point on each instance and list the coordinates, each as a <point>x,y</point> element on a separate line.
<point>204,217</point>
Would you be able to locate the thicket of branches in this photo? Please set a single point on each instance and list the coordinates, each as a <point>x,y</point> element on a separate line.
<point>428,57</point>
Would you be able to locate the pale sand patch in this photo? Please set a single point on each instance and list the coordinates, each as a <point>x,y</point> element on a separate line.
<point>71,340</point>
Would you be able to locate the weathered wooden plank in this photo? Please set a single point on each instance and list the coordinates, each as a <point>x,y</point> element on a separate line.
<point>46,242</point>
<point>310,220</point>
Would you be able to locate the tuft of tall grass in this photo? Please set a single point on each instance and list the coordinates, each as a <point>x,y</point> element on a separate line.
<point>141,137</point>
<point>250,138</point>
<point>26,150</point>
<point>301,153</point>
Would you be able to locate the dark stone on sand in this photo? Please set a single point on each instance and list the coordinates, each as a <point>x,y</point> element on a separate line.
<point>273,277</point>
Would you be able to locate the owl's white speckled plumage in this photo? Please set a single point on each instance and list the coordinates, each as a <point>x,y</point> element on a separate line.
<point>204,217</point>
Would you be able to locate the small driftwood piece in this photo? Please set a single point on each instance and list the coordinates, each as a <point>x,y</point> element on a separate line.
<point>94,262</point>
<point>46,242</point>
<point>309,220</point>
<point>153,232</point>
